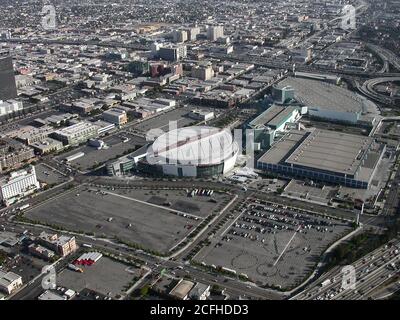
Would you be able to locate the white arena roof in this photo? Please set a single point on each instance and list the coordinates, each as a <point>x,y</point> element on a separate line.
<point>197,145</point>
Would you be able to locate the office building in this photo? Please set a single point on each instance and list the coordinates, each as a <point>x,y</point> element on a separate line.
<point>172,52</point>
<point>18,185</point>
<point>8,88</point>
<point>47,145</point>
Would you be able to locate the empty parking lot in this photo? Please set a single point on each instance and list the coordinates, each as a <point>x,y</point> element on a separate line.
<point>112,215</point>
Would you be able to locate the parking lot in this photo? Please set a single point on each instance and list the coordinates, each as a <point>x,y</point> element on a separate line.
<point>106,276</point>
<point>273,245</point>
<point>162,121</point>
<point>48,175</point>
<point>93,157</point>
<point>106,213</point>
<point>198,206</point>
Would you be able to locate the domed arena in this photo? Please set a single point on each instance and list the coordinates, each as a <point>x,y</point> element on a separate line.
<point>197,151</point>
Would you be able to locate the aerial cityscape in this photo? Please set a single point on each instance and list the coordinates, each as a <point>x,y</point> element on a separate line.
<point>206,150</point>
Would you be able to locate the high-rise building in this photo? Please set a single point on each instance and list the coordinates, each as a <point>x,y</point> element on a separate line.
<point>172,53</point>
<point>8,88</point>
<point>192,33</point>
<point>180,36</point>
<point>203,72</point>
<point>215,32</point>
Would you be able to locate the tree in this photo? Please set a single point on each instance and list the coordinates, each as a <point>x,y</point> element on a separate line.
<point>144,291</point>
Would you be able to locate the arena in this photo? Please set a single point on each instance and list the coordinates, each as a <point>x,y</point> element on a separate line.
<point>191,152</point>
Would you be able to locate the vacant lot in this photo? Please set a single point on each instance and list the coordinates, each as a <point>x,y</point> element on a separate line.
<point>106,276</point>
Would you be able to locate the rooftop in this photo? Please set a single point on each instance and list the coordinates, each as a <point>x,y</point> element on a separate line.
<point>322,149</point>
<point>319,94</point>
<point>273,116</point>
<point>181,290</point>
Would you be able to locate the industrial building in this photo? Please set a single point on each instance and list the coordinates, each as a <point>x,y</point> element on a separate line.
<point>323,155</point>
<point>270,122</point>
<point>326,100</point>
<point>192,152</point>
<point>76,133</point>
<point>17,185</point>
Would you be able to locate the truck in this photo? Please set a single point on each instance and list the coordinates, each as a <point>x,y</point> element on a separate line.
<point>326,283</point>
<point>75,268</point>
<point>25,206</point>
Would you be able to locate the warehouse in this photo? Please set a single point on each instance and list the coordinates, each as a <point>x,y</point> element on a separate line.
<point>323,155</point>
<point>192,152</point>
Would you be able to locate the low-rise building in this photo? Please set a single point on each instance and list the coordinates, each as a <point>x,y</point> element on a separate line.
<point>115,116</point>
<point>200,292</point>
<point>10,106</point>
<point>40,251</point>
<point>47,145</point>
<point>182,289</point>
<point>62,245</point>
<point>201,115</point>
<point>76,133</point>
<point>9,282</point>
<point>14,154</point>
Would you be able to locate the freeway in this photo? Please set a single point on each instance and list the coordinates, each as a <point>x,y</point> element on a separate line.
<point>368,89</point>
<point>371,271</point>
